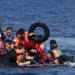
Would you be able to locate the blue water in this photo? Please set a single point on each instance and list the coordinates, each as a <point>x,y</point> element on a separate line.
<point>59,15</point>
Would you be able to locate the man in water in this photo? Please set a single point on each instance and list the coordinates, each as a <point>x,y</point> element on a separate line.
<point>55,50</point>
<point>49,48</point>
<point>63,59</point>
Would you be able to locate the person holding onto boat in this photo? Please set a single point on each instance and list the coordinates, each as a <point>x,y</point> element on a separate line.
<point>28,43</point>
<point>55,50</point>
<point>63,59</point>
<point>19,57</point>
<point>47,59</point>
<point>48,47</point>
<point>23,58</point>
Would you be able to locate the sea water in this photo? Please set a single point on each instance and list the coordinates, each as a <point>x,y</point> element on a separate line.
<point>58,15</point>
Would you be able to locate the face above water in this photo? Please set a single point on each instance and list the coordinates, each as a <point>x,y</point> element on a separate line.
<point>19,36</point>
<point>9,31</point>
<point>49,56</point>
<point>56,61</point>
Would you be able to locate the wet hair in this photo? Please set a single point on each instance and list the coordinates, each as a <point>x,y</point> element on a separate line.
<point>9,28</point>
<point>17,32</point>
<point>8,41</point>
<point>21,47</point>
<point>59,60</point>
<point>52,54</point>
<point>52,42</point>
<point>21,31</point>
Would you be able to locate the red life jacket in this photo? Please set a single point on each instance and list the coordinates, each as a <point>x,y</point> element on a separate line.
<point>2,48</point>
<point>44,59</point>
<point>30,44</point>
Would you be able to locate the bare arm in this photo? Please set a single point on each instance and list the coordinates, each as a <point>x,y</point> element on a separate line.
<point>31,34</point>
<point>55,53</point>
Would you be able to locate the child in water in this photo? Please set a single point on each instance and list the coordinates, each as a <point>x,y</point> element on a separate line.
<point>47,59</point>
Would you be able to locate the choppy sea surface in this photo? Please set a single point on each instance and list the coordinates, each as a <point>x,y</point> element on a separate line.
<point>58,15</point>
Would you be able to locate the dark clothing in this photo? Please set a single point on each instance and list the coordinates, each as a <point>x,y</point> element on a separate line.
<point>33,62</point>
<point>8,37</point>
<point>4,58</point>
<point>12,55</point>
<point>49,61</point>
<point>64,58</point>
<point>37,58</point>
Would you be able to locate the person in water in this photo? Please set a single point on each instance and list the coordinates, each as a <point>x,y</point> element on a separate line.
<point>8,34</point>
<point>63,59</point>
<point>48,47</point>
<point>23,58</point>
<point>55,50</point>
<point>48,58</point>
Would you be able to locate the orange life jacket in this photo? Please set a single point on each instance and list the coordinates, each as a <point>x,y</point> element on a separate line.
<point>42,46</point>
<point>30,44</point>
<point>19,55</point>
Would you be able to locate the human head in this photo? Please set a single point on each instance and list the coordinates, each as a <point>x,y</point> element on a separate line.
<point>53,46</point>
<point>56,61</point>
<point>22,48</point>
<point>9,30</point>
<point>59,60</point>
<point>7,44</point>
<point>39,36</point>
<point>13,44</point>
<point>18,35</point>
<point>50,54</point>
<point>21,32</point>
<point>52,42</point>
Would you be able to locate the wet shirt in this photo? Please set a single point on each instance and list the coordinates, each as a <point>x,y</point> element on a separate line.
<point>59,52</point>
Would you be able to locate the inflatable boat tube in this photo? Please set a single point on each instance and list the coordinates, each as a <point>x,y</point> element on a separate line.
<point>46,32</point>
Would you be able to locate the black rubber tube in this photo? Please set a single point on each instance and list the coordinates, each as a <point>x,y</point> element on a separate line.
<point>46,31</point>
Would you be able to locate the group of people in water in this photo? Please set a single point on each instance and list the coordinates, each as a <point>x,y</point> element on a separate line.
<point>22,50</point>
